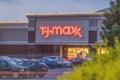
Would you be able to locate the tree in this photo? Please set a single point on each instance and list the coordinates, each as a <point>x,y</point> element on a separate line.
<point>111,23</point>
<point>101,67</point>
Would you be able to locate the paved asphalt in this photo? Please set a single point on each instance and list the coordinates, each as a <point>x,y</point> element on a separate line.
<point>52,74</point>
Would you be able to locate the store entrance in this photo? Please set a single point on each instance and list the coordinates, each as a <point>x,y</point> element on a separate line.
<point>75,52</point>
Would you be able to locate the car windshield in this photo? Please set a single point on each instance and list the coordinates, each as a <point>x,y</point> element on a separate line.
<point>52,57</point>
<point>49,59</point>
<point>55,57</point>
<point>28,63</point>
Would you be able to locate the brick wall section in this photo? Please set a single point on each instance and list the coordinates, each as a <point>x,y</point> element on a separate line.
<point>14,50</point>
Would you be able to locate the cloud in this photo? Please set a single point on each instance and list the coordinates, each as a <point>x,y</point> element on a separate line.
<point>16,9</point>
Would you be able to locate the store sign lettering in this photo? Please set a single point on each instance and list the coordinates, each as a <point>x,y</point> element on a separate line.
<point>48,31</point>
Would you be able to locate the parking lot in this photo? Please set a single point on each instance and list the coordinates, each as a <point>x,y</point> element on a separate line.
<point>51,75</point>
<point>46,68</point>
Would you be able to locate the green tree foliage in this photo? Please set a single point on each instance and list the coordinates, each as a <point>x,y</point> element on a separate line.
<point>111,24</point>
<point>102,67</point>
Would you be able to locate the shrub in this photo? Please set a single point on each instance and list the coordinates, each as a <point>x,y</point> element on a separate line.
<point>102,67</point>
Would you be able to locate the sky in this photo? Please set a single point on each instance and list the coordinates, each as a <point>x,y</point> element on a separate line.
<point>12,10</point>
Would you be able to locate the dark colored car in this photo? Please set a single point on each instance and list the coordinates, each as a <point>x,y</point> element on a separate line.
<point>77,61</point>
<point>16,60</point>
<point>9,68</point>
<point>51,63</point>
<point>61,62</point>
<point>36,68</point>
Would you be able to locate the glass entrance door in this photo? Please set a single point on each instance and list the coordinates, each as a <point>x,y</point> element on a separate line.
<point>74,52</point>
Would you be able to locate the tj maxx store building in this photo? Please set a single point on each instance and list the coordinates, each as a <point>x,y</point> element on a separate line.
<point>51,34</point>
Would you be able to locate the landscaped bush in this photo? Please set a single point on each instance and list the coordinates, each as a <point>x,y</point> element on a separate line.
<point>102,67</point>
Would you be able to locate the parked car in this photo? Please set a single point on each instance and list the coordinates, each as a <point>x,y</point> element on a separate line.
<point>5,57</point>
<point>51,63</point>
<point>23,59</point>
<point>61,62</point>
<point>78,61</point>
<point>36,68</point>
<point>67,63</point>
<point>9,68</point>
<point>88,59</point>
<point>17,60</point>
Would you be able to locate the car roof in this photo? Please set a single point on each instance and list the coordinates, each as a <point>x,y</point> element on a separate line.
<point>52,56</point>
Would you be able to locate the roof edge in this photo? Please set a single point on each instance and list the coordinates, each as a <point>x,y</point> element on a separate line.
<point>64,14</point>
<point>13,22</point>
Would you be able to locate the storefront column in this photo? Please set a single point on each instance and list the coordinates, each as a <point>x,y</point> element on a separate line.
<point>56,50</point>
<point>31,37</point>
<point>31,51</point>
<point>61,50</point>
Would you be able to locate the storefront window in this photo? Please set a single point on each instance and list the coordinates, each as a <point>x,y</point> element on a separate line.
<point>77,52</point>
<point>102,51</point>
<point>71,53</point>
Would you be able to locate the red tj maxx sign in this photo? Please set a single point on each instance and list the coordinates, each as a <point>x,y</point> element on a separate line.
<point>48,31</point>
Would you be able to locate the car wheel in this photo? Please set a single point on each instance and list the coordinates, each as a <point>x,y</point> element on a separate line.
<point>54,64</point>
<point>64,66</point>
